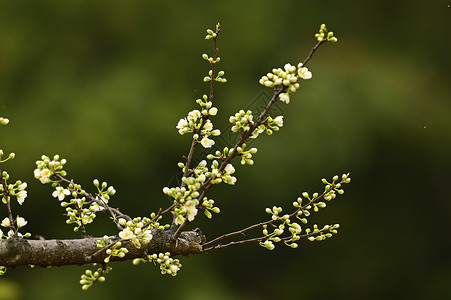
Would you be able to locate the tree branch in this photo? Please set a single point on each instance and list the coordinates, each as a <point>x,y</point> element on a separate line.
<point>18,251</point>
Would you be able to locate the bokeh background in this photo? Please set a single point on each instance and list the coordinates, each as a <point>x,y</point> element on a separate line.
<point>103,84</point>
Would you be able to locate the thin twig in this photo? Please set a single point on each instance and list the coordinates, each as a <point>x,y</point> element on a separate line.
<point>7,197</point>
<point>114,212</point>
<point>203,120</point>
<point>242,231</point>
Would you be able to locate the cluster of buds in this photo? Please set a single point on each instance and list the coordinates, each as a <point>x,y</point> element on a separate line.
<point>17,189</point>
<point>19,222</point>
<point>208,205</point>
<point>168,265</point>
<point>276,235</point>
<point>104,191</point>
<point>246,155</point>
<point>114,249</point>
<point>89,277</point>
<point>46,167</point>
<point>301,213</point>
<point>212,34</point>
<point>288,78</point>
<point>185,199</point>
<point>202,127</point>
<point>241,121</point>
<point>317,235</point>
<point>325,35</point>
<point>218,176</point>
<point>80,211</point>
<point>220,155</point>
<point>207,106</point>
<point>218,77</point>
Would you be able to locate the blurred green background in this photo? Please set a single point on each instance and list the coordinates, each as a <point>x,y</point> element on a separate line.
<point>103,84</point>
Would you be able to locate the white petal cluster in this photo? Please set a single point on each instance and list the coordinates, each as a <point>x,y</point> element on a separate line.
<point>195,122</point>
<point>135,232</point>
<point>188,210</point>
<point>187,124</point>
<point>206,142</point>
<point>43,175</point>
<point>46,167</point>
<point>60,193</point>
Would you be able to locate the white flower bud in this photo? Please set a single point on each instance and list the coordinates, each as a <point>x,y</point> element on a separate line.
<point>6,223</point>
<point>20,222</point>
<point>284,97</point>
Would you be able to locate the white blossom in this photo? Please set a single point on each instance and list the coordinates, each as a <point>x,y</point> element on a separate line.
<point>43,175</point>
<point>191,210</point>
<point>182,126</point>
<point>6,222</point>
<point>206,142</point>
<point>174,268</point>
<point>279,121</point>
<point>126,234</point>
<point>22,186</point>
<point>304,73</point>
<point>284,97</point>
<point>21,196</point>
<point>208,125</point>
<point>20,222</point>
<point>194,115</point>
<point>229,169</point>
<point>60,193</point>
<point>146,237</point>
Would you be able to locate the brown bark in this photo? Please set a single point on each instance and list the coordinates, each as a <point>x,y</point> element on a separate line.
<point>19,251</point>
